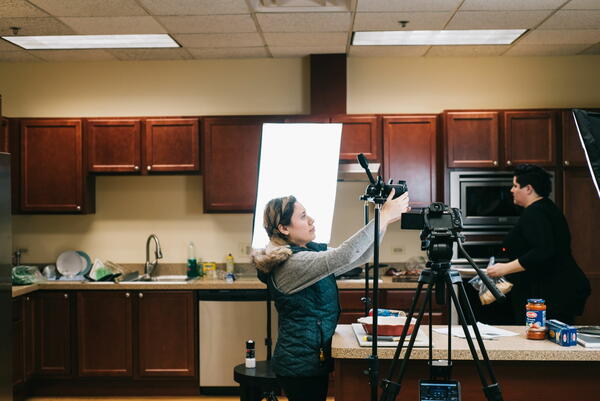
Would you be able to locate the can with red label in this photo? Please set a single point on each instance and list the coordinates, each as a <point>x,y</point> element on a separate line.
<point>535,318</point>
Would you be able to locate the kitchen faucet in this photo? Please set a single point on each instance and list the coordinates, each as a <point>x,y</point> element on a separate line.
<point>150,266</point>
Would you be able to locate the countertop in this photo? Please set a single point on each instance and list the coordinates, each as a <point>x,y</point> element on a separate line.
<point>242,283</point>
<point>516,348</point>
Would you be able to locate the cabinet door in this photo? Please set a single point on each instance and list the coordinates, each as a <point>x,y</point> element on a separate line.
<point>114,145</point>
<point>410,154</point>
<point>581,203</point>
<point>230,170</point>
<point>18,366</point>
<point>360,134</point>
<point>4,135</point>
<point>573,155</point>
<point>52,178</point>
<point>403,299</point>
<point>29,335</point>
<point>166,337</point>
<point>472,138</point>
<point>172,145</point>
<point>530,137</point>
<point>54,333</point>
<point>104,333</point>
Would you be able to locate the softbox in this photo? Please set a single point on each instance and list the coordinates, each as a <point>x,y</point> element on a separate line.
<point>588,127</point>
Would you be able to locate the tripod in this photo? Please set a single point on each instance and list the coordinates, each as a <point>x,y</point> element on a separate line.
<point>440,276</point>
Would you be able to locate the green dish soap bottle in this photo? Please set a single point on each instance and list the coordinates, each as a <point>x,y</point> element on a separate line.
<point>192,265</point>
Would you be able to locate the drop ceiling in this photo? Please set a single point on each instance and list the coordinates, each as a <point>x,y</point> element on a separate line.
<point>296,28</point>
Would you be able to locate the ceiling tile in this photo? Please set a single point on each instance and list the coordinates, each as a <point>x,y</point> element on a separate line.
<point>573,19</point>
<point>34,26</point>
<point>305,50</point>
<point>195,7</point>
<point>387,51</point>
<point>304,22</point>
<point>407,5</point>
<point>566,36</point>
<point>230,52</point>
<point>389,21</point>
<point>17,56</point>
<point>443,51</point>
<point>545,50</point>
<point>583,5</point>
<point>497,19</point>
<point>74,55</point>
<point>90,8</point>
<point>113,25</point>
<point>592,49</point>
<point>219,40</point>
<point>208,24</point>
<point>19,8</point>
<point>306,39</point>
<point>506,5</point>
<point>151,54</point>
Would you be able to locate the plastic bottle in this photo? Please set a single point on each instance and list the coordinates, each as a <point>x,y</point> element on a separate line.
<point>192,266</point>
<point>250,355</point>
<point>229,266</point>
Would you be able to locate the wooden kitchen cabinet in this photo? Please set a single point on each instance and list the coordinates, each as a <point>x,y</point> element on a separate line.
<point>104,333</point>
<point>402,300</point>
<point>572,150</point>
<point>4,146</point>
<point>230,163</point>
<point>53,348</point>
<point>172,145</point>
<point>410,149</point>
<point>472,138</point>
<point>167,323</point>
<point>530,137</point>
<point>114,145</point>
<point>52,177</point>
<point>360,134</point>
<point>18,360</point>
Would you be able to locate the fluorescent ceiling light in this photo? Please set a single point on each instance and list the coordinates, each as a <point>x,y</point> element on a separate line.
<point>452,37</point>
<point>92,41</point>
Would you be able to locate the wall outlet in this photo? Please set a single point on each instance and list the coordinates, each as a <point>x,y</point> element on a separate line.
<point>244,248</point>
<point>397,250</point>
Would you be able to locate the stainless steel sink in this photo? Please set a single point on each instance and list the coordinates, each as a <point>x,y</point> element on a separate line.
<point>166,279</point>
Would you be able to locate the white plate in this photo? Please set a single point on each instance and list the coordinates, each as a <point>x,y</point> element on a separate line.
<point>70,263</point>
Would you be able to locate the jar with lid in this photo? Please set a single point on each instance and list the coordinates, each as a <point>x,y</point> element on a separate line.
<point>535,319</point>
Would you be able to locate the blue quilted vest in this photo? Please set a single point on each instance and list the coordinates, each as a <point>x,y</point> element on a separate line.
<point>307,321</point>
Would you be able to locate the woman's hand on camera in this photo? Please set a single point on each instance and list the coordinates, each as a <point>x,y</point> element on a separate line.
<point>392,209</point>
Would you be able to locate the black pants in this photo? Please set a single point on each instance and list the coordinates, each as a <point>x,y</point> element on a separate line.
<point>305,388</point>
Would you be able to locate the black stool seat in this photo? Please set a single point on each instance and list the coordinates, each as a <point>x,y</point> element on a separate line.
<point>257,383</point>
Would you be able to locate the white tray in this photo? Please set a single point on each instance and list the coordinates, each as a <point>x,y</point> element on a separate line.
<point>421,341</point>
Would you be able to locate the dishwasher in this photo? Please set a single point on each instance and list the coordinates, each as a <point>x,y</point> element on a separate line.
<point>227,319</point>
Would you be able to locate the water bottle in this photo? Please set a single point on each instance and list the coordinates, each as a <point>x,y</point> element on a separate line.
<point>250,354</point>
<point>192,266</point>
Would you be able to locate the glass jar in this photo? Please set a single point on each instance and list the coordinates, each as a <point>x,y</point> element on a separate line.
<point>535,319</point>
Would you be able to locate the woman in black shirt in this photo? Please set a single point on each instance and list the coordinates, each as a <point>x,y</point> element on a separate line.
<point>540,249</point>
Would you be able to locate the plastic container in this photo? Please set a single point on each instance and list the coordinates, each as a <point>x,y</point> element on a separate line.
<point>229,264</point>
<point>192,265</point>
<point>535,319</point>
<point>250,354</point>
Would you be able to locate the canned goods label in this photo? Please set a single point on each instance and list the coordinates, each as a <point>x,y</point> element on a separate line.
<point>535,319</point>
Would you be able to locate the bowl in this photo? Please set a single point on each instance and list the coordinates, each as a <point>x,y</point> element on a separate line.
<point>387,325</point>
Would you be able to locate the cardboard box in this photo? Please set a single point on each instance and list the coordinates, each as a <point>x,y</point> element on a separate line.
<point>561,333</point>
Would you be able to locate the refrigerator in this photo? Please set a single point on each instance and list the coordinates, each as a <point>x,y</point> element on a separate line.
<point>5,281</point>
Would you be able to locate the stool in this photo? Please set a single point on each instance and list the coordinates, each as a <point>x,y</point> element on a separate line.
<point>257,383</point>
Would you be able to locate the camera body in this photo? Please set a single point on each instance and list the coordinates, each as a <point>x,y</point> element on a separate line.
<point>441,227</point>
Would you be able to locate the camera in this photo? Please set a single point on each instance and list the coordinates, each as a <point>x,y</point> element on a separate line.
<point>441,227</point>
<point>378,191</point>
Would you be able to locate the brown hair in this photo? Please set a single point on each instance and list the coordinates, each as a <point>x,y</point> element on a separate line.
<point>278,211</point>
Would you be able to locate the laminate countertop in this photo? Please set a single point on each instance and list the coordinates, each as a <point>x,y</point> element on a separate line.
<point>515,348</point>
<point>241,283</point>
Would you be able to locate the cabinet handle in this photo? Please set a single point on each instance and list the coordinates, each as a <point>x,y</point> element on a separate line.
<point>136,168</point>
<point>508,163</point>
<point>141,295</point>
<point>66,296</point>
<point>567,163</point>
<point>495,163</point>
<point>78,207</point>
<point>149,168</point>
<point>127,295</point>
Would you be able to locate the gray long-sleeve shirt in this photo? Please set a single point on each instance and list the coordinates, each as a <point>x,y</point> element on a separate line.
<point>303,269</point>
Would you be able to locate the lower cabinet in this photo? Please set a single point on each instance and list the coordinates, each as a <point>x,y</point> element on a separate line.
<point>53,328</point>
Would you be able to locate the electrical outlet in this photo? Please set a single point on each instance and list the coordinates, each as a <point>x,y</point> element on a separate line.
<point>397,250</point>
<point>244,248</point>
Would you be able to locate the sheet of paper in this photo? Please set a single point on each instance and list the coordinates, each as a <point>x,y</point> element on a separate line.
<point>487,332</point>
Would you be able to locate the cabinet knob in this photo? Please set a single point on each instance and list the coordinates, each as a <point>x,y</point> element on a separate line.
<point>136,168</point>
<point>508,163</point>
<point>78,207</point>
<point>141,295</point>
<point>127,295</point>
<point>149,168</point>
<point>495,163</point>
<point>26,298</point>
<point>567,163</point>
<point>66,296</point>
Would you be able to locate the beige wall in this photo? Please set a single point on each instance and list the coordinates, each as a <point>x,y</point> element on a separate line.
<point>129,208</point>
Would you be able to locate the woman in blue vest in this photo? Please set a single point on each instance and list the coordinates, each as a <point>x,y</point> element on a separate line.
<point>300,275</point>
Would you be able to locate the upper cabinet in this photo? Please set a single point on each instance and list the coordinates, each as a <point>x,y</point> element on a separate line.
<point>230,163</point>
<point>410,148</point>
<point>472,138</point>
<point>360,134</point>
<point>573,155</point>
<point>172,145</point>
<point>51,173</point>
<point>4,135</point>
<point>530,137</point>
<point>114,145</point>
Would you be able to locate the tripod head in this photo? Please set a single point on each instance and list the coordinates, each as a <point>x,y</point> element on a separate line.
<point>378,191</point>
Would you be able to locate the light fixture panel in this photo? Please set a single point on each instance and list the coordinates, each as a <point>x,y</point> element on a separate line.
<point>437,38</point>
<point>66,42</point>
